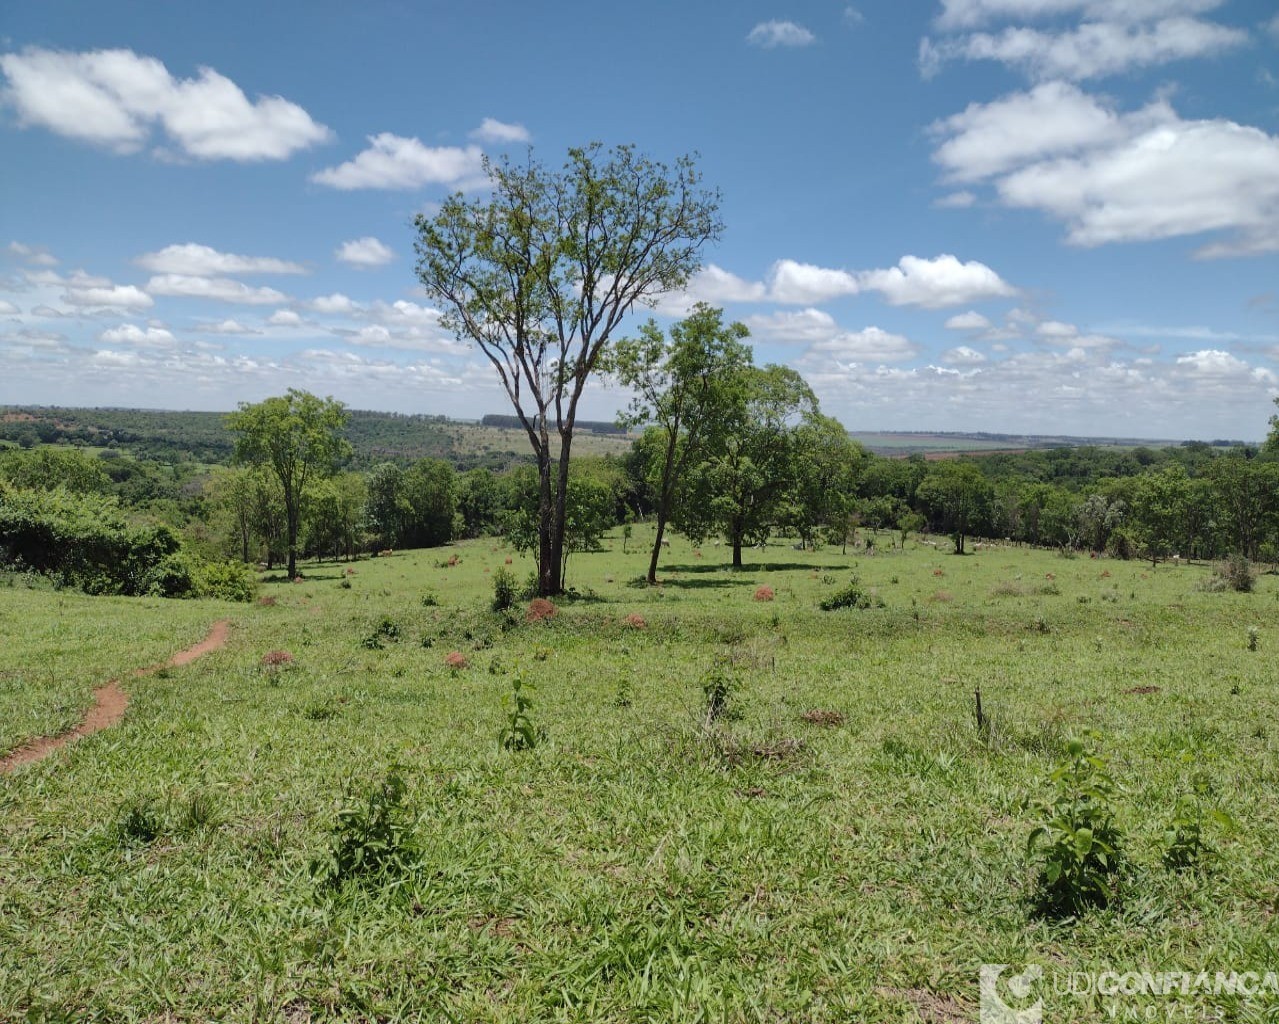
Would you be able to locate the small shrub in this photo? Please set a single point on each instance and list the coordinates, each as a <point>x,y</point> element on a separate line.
<point>764,593</point>
<point>386,629</point>
<point>540,609</point>
<point>1078,844</point>
<point>320,711</point>
<point>519,733</point>
<point>851,596</point>
<point>721,688</point>
<point>345,584</point>
<point>623,698</point>
<point>429,600</point>
<point>503,590</point>
<point>1254,638</point>
<point>227,581</point>
<point>200,811</point>
<point>455,660</point>
<point>373,838</point>
<point>1185,840</point>
<point>1236,573</point>
<point>1008,589</point>
<point>140,821</point>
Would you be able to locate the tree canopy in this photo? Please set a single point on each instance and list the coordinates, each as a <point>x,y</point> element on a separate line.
<point>540,272</point>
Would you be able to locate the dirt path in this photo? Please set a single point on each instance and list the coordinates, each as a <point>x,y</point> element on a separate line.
<point>109,703</point>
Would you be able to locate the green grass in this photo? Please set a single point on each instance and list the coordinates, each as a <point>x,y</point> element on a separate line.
<point>638,864</point>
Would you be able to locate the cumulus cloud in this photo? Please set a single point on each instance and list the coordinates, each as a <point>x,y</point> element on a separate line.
<point>116,98</point>
<point>395,162</point>
<point>132,334</point>
<point>1092,50</point>
<point>962,355</point>
<point>964,14</point>
<point>806,325</point>
<point>855,348</point>
<point>960,200</point>
<point>493,130</point>
<point>936,283</point>
<point>203,261</point>
<point>35,256</point>
<point>771,34</point>
<point>970,321</point>
<point>284,318</point>
<point>106,295</point>
<point>228,327</point>
<point>337,303</point>
<point>801,283</point>
<point>218,289</point>
<point>364,253</point>
<point>1113,177</point>
<point>8,308</point>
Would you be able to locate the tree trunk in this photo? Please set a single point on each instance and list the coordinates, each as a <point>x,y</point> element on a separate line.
<point>293,544</point>
<point>737,546</point>
<point>657,546</point>
<point>548,563</point>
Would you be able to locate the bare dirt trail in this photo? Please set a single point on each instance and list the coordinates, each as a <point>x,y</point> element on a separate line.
<point>110,702</point>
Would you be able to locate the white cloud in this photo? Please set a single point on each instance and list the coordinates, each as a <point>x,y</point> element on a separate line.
<point>1114,177</point>
<point>936,283</point>
<point>337,303</point>
<point>115,98</point>
<point>962,355</point>
<point>961,200</point>
<point>35,256</point>
<point>203,261</point>
<point>1272,26</point>
<point>963,14</point>
<point>970,321</point>
<point>1178,179</point>
<point>284,318</point>
<point>1052,119</point>
<point>853,348</point>
<point>802,283</point>
<point>364,253</point>
<point>806,325</point>
<point>228,327</point>
<point>132,334</point>
<point>1092,50</point>
<point>392,162</point>
<point>98,295</point>
<point>8,309</point>
<point>219,289</point>
<point>771,34</point>
<point>493,130</point>
<point>713,284</point>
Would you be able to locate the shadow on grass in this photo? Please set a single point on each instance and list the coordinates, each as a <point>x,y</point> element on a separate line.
<point>701,567</point>
<point>305,577</point>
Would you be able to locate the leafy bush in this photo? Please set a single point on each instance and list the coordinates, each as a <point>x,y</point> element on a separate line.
<point>721,688</point>
<point>503,590</point>
<point>227,581</point>
<point>1185,840</point>
<point>851,596</point>
<point>1235,573</point>
<point>519,733</point>
<point>1078,844</point>
<point>373,838</point>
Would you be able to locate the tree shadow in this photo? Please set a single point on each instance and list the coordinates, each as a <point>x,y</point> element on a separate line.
<point>305,577</point>
<point>700,567</point>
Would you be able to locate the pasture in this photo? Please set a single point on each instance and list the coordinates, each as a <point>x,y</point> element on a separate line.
<point>840,843</point>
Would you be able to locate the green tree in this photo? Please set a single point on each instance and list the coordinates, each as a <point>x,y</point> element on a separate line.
<point>686,390</point>
<point>387,509</point>
<point>479,502</point>
<point>1160,503</point>
<point>825,468</point>
<point>335,515</point>
<point>45,469</point>
<point>1246,493</point>
<point>230,494</point>
<point>431,504</point>
<point>741,488</point>
<point>957,498</point>
<point>298,438</point>
<point>541,271</point>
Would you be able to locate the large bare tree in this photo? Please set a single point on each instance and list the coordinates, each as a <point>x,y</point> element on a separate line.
<point>541,271</point>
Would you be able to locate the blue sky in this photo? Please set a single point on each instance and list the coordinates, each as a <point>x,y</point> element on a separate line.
<point>1049,216</point>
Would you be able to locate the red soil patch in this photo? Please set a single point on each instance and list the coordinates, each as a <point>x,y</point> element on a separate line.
<point>635,621</point>
<point>764,594</point>
<point>540,609</point>
<point>110,702</point>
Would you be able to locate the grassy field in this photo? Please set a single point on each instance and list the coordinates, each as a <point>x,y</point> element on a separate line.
<point>641,863</point>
